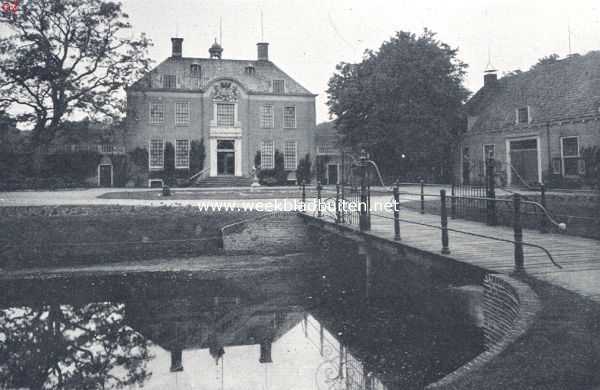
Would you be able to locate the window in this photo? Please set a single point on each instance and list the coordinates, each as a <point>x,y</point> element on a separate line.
<point>170,81</point>
<point>157,113</point>
<point>106,148</point>
<point>195,70</point>
<point>250,70</point>
<point>157,154</point>
<point>266,119</point>
<point>196,73</point>
<point>489,151</point>
<point>267,155</point>
<point>225,115</point>
<point>523,115</point>
<point>569,149</point>
<point>182,153</point>
<point>279,86</point>
<point>289,117</point>
<point>290,155</point>
<point>182,113</point>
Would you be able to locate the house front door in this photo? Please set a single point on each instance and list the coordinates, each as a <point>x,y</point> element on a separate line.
<point>105,173</point>
<point>332,174</point>
<point>524,161</point>
<point>225,158</point>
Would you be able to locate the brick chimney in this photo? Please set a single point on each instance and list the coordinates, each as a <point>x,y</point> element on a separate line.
<point>263,51</point>
<point>176,47</point>
<point>490,78</point>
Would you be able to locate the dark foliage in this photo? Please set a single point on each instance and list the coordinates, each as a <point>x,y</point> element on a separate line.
<point>304,173</point>
<point>406,98</point>
<point>77,166</point>
<point>276,176</point>
<point>197,156</point>
<point>169,170</point>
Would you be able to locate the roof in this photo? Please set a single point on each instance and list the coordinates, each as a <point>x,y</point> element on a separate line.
<point>259,82</point>
<point>565,89</point>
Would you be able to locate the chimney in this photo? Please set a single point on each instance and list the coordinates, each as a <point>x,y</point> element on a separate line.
<point>176,47</point>
<point>263,51</point>
<point>490,78</point>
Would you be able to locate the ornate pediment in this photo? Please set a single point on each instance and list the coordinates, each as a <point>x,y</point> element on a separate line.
<point>225,91</point>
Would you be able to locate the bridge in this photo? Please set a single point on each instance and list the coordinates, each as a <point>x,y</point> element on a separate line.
<point>567,261</point>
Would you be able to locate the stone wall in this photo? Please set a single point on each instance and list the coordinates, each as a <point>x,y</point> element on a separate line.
<point>509,307</point>
<point>67,235</point>
<point>275,233</point>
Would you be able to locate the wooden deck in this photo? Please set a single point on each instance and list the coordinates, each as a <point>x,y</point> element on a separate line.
<point>579,257</point>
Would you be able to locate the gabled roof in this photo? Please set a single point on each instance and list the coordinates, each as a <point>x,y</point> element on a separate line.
<point>258,82</point>
<point>568,88</point>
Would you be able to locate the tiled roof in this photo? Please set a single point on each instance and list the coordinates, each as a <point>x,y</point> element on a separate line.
<point>568,88</point>
<point>260,81</point>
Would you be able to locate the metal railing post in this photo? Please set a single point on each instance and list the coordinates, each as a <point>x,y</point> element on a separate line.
<point>363,218</point>
<point>337,204</point>
<point>518,229</point>
<point>319,211</point>
<point>396,213</point>
<point>343,211</point>
<point>453,202</point>
<point>444,213</point>
<point>422,197</point>
<point>544,221</point>
<point>303,193</point>
<point>491,193</point>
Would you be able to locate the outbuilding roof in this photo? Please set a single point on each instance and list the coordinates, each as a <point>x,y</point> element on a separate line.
<point>562,90</point>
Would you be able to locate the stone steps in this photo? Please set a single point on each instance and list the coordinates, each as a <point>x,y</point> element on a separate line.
<point>223,181</point>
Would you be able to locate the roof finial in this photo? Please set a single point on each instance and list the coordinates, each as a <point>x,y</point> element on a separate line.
<point>489,68</point>
<point>221,31</point>
<point>262,27</point>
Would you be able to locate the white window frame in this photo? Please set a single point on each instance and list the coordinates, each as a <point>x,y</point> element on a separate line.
<point>178,120</point>
<point>563,157</point>
<point>270,163</point>
<point>295,123</point>
<point>156,167</point>
<point>217,114</point>
<point>294,166</point>
<point>485,156</point>
<point>162,110</point>
<point>282,86</point>
<point>178,165</point>
<point>517,115</point>
<point>263,122</point>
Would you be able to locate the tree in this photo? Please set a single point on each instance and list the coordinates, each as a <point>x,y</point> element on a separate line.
<point>547,60</point>
<point>406,98</point>
<point>67,56</point>
<point>197,155</point>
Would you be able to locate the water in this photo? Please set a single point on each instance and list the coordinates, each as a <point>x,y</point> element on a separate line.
<point>322,329</point>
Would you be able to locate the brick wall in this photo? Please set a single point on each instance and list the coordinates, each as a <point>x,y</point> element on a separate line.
<point>509,308</point>
<point>275,233</point>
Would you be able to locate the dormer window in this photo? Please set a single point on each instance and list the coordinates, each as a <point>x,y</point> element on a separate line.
<point>195,70</point>
<point>279,86</point>
<point>250,70</point>
<point>169,81</point>
<point>523,115</point>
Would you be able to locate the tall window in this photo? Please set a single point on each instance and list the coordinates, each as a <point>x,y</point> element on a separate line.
<point>225,114</point>
<point>267,155</point>
<point>157,113</point>
<point>290,155</point>
<point>196,75</point>
<point>266,119</point>
<point>289,117</point>
<point>170,81</point>
<point>157,154</point>
<point>279,86</point>
<point>182,113</point>
<point>570,155</point>
<point>182,153</point>
<point>523,115</point>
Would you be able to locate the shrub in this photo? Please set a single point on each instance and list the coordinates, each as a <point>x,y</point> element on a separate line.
<point>303,173</point>
<point>78,166</point>
<point>197,156</point>
<point>169,171</point>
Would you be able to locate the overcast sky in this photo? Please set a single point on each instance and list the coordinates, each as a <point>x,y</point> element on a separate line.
<point>309,37</point>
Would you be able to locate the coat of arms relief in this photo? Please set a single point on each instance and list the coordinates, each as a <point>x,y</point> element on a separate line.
<point>225,91</point>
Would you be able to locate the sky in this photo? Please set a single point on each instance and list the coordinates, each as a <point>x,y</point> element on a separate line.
<point>309,37</point>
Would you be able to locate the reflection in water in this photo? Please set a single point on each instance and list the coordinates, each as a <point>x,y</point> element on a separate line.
<point>68,347</point>
<point>278,331</point>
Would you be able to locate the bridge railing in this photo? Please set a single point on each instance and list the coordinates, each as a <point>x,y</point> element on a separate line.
<point>447,209</point>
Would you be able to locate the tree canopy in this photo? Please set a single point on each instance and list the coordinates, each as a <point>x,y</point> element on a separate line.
<point>68,56</point>
<point>404,99</point>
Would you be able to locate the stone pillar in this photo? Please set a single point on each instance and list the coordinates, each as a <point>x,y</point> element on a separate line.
<point>176,360</point>
<point>265,352</point>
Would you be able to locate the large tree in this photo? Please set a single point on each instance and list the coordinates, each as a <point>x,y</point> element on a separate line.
<point>402,103</point>
<point>67,56</point>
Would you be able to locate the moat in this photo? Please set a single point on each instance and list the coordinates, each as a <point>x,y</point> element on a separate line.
<point>333,325</point>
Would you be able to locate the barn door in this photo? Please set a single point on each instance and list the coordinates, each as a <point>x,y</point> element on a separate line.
<point>524,161</point>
